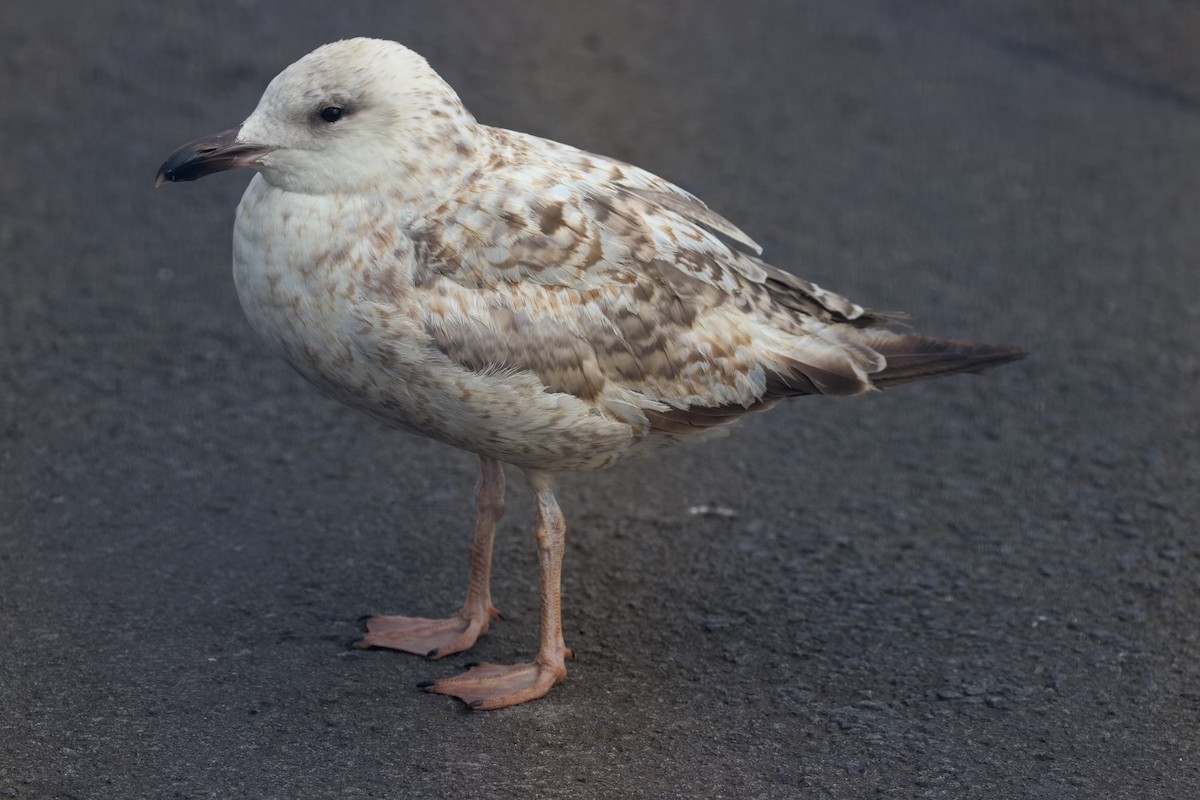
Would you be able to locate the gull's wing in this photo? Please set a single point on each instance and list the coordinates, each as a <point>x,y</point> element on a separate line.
<point>612,285</point>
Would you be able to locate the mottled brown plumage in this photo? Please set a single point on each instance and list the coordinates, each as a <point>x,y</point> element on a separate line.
<point>519,298</point>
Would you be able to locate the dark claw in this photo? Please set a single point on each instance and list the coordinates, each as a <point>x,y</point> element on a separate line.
<point>425,684</point>
<point>432,653</point>
<point>363,618</point>
<point>474,704</point>
<point>472,664</point>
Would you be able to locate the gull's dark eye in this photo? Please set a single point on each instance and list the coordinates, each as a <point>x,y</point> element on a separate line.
<point>331,113</point>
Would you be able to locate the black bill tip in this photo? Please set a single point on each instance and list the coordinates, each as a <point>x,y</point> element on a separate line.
<point>209,154</point>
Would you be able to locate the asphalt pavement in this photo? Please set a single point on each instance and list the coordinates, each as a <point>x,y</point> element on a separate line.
<point>983,587</point>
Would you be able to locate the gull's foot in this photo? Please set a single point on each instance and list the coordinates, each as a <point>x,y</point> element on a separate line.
<point>432,638</point>
<point>488,686</point>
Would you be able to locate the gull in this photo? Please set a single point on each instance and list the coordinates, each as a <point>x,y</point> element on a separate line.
<point>534,304</point>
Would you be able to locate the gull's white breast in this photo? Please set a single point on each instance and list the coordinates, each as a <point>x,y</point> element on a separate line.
<point>329,284</point>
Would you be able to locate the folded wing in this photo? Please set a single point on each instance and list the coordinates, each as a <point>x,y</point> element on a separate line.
<point>616,287</point>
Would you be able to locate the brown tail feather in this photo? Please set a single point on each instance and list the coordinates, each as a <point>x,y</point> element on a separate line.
<point>912,357</point>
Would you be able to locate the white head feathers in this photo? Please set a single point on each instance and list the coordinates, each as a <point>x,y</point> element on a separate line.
<point>359,115</point>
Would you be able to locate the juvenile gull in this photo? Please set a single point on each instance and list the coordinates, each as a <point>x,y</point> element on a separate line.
<point>529,302</point>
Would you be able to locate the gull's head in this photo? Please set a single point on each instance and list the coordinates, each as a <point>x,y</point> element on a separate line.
<point>358,115</point>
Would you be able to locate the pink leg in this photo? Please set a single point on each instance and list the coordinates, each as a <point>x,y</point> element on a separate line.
<point>489,686</point>
<point>435,638</point>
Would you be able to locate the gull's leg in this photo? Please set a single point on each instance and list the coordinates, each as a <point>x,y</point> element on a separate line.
<point>435,638</point>
<point>488,686</point>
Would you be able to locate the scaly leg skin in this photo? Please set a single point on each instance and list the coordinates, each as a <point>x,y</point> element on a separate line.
<point>488,686</point>
<point>434,638</point>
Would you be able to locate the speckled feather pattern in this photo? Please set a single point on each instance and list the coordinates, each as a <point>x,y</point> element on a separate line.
<point>516,297</point>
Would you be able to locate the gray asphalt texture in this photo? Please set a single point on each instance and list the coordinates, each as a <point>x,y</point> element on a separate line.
<point>972,588</point>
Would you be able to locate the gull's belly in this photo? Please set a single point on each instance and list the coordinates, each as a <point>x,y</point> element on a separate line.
<point>316,299</point>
